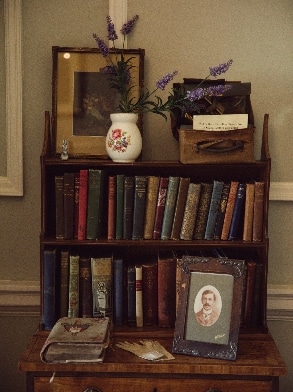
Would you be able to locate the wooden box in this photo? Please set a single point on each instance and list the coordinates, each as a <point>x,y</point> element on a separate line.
<point>231,146</point>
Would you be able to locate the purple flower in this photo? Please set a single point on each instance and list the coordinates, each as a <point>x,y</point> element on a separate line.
<point>220,69</point>
<point>162,83</point>
<point>196,94</point>
<point>109,70</point>
<point>112,36</point>
<point>102,46</point>
<point>218,90</point>
<point>128,26</point>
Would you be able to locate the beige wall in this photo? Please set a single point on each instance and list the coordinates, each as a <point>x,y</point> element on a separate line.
<point>188,36</point>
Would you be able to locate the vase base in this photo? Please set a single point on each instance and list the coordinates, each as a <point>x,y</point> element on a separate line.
<point>123,160</point>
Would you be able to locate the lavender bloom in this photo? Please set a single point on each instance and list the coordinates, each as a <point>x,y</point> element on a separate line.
<point>109,70</point>
<point>128,26</point>
<point>217,90</point>
<point>112,36</point>
<point>196,94</point>
<point>162,83</point>
<point>220,69</point>
<point>102,46</point>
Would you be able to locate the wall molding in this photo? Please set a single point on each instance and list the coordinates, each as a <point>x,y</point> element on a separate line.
<point>22,298</point>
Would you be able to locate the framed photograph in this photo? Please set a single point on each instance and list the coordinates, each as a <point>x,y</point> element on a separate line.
<point>209,307</point>
<point>82,98</point>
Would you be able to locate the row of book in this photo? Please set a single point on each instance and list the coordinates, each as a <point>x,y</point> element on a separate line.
<point>142,294</point>
<point>90,205</point>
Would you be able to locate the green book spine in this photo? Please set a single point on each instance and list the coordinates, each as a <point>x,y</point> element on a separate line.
<point>140,189</point>
<point>169,207</point>
<point>94,208</point>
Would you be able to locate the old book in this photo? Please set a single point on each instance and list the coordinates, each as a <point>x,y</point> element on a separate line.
<point>138,296</point>
<point>77,340</point>
<point>166,289</point>
<point>190,211</point>
<point>73,286</point>
<point>131,296</point>
<point>76,204</point>
<point>214,209</point>
<point>94,204</point>
<point>128,207</point>
<point>140,190</point>
<point>118,292</point>
<point>68,205</point>
<point>111,225</point>
<point>160,208</point>
<point>82,211</point>
<point>250,291</point>
<point>171,198</point>
<point>236,226</point>
<point>64,280</point>
<point>151,204</point>
<point>59,206</point>
<point>85,287</point>
<point>203,211</point>
<point>101,268</point>
<point>248,212</point>
<point>257,225</point>
<point>222,210</point>
<point>49,294</point>
<point>179,207</point>
<point>119,206</point>
<point>229,210</point>
<point>150,293</point>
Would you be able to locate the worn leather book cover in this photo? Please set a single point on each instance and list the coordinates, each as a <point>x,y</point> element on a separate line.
<point>190,211</point>
<point>64,279</point>
<point>222,210</point>
<point>179,207</point>
<point>111,207</point>
<point>257,226</point>
<point>248,212</point>
<point>171,198</point>
<point>82,211</point>
<point>85,287</point>
<point>118,292</point>
<point>151,204</point>
<point>128,204</point>
<point>203,211</point>
<point>49,297</point>
<point>229,210</point>
<point>161,202</point>
<point>119,206</point>
<point>73,286</point>
<point>68,205</point>
<point>167,266</point>
<point>150,293</point>
<point>140,190</point>
<point>94,204</point>
<point>214,209</point>
<point>236,226</point>
<point>102,275</point>
<point>77,340</point>
<point>59,207</point>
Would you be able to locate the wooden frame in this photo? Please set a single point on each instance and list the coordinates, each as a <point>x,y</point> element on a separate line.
<point>83,99</point>
<point>221,281</point>
<point>11,184</point>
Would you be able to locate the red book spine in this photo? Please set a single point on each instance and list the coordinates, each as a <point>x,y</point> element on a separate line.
<point>82,211</point>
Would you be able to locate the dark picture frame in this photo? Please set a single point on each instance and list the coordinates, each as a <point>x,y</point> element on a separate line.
<point>82,98</point>
<point>215,333</point>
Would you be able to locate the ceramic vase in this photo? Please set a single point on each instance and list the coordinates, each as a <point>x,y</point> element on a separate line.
<point>123,140</point>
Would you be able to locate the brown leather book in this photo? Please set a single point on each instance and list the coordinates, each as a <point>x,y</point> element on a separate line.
<point>161,202</point>
<point>111,207</point>
<point>229,210</point>
<point>59,207</point>
<point>151,204</point>
<point>257,232</point>
<point>150,293</point>
<point>167,266</point>
<point>85,287</point>
<point>190,211</point>
<point>248,212</point>
<point>203,211</point>
<point>179,207</point>
<point>140,190</point>
<point>128,204</point>
<point>68,205</point>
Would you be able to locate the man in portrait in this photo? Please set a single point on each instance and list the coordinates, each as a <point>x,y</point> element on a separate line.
<point>208,315</point>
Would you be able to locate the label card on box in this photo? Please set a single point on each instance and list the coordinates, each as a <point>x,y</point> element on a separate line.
<point>223,122</point>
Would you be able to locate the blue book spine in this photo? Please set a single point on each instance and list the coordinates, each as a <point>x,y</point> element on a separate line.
<point>237,217</point>
<point>214,209</point>
<point>49,304</point>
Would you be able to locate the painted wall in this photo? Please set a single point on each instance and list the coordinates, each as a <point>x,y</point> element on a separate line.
<point>188,36</point>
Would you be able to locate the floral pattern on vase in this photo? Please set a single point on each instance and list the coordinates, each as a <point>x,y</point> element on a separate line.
<point>119,140</point>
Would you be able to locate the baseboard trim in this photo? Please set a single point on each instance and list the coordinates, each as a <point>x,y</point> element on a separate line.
<point>22,298</point>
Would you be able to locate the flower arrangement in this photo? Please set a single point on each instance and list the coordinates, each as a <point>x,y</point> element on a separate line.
<point>119,72</point>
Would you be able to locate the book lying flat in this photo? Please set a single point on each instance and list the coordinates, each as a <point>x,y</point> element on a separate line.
<point>77,340</point>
